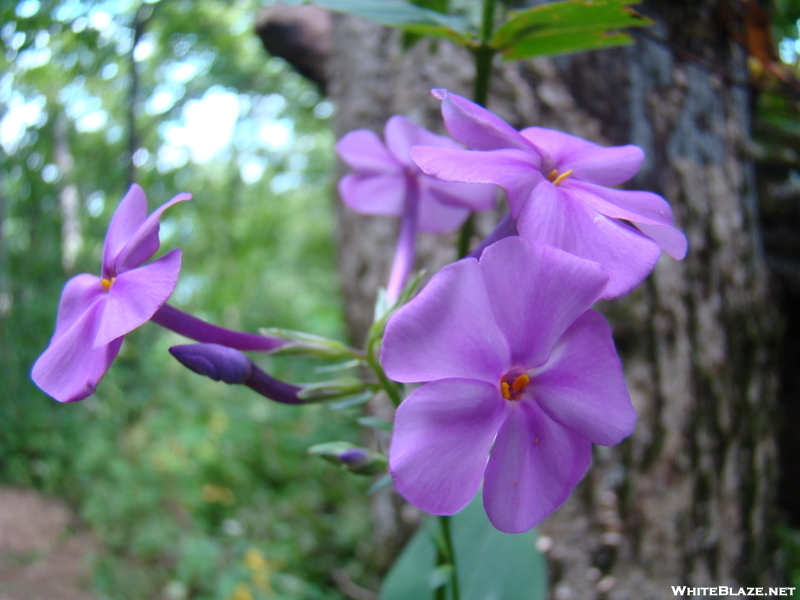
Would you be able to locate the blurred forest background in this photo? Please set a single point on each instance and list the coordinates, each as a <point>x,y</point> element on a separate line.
<point>180,478</point>
<point>197,490</point>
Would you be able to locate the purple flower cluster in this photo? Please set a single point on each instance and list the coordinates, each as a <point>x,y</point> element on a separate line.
<point>516,368</point>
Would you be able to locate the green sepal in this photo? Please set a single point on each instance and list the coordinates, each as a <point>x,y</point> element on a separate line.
<point>306,344</point>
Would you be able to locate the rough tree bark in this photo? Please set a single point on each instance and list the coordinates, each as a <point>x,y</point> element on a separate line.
<point>688,499</point>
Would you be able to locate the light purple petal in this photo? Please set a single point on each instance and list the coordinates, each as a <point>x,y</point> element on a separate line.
<point>474,196</point>
<point>588,161</point>
<point>582,386</point>
<point>649,212</point>
<point>533,468</point>
<point>130,214</point>
<point>70,369</point>
<point>136,295</point>
<point>441,440</point>
<point>554,217</point>
<point>79,294</point>
<point>364,152</point>
<point>476,127</point>
<point>374,194</point>
<point>605,166</point>
<point>446,331</point>
<point>537,292</point>
<point>402,133</point>
<point>144,242</point>
<point>439,217</point>
<point>516,172</point>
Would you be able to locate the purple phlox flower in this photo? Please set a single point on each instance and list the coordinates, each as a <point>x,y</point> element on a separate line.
<point>384,173</point>
<point>517,369</point>
<point>558,190</point>
<point>96,312</point>
<point>387,182</point>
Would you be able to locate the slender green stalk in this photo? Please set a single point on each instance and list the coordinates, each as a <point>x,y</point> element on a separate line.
<point>390,387</point>
<point>451,556</point>
<point>484,54</point>
<point>465,236</point>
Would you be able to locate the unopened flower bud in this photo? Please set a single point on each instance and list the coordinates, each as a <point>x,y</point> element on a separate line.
<point>355,459</point>
<point>219,363</point>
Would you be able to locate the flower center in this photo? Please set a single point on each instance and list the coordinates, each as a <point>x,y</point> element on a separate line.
<point>107,283</point>
<point>511,390</point>
<point>557,178</point>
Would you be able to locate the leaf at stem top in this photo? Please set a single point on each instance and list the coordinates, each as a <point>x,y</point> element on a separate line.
<point>567,26</point>
<point>399,13</point>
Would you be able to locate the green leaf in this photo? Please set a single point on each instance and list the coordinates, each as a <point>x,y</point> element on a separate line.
<point>490,564</point>
<point>567,26</point>
<point>393,13</point>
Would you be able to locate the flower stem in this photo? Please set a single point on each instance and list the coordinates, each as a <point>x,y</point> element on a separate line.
<point>196,329</point>
<point>484,54</point>
<point>450,557</point>
<point>406,243</point>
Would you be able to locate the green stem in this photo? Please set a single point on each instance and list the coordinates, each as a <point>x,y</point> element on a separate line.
<point>465,236</point>
<point>451,556</point>
<point>390,387</point>
<point>484,54</point>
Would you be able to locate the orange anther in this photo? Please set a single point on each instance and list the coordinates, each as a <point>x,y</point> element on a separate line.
<point>561,177</point>
<point>107,283</point>
<point>505,390</point>
<point>519,383</point>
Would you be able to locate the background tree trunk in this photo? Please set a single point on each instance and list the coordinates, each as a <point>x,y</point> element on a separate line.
<point>688,499</point>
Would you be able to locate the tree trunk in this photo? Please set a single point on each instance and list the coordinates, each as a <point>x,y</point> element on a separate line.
<point>688,499</point>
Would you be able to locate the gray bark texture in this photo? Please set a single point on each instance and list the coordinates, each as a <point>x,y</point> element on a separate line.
<point>689,498</point>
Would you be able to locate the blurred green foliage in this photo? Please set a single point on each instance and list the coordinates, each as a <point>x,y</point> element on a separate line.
<point>198,490</point>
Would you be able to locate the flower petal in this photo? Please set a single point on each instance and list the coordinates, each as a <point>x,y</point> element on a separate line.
<point>476,127</point>
<point>136,295</point>
<point>364,152</point>
<point>582,386</point>
<point>130,214</point>
<point>144,241</point>
<point>588,161</point>
<point>401,134</point>
<point>374,194</point>
<point>534,466</point>
<point>553,216</point>
<point>446,331</point>
<point>79,293</point>
<point>439,217</point>
<point>474,196</point>
<point>649,212</point>
<point>70,369</point>
<point>537,292</point>
<point>514,171</point>
<point>441,440</point>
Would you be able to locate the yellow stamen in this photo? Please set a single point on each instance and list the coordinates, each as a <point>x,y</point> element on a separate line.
<point>511,392</point>
<point>556,178</point>
<point>107,283</point>
<point>519,383</point>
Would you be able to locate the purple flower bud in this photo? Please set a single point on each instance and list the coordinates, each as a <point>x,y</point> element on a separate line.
<point>354,456</point>
<point>219,363</point>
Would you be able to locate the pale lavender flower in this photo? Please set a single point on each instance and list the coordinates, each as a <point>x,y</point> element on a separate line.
<point>517,369</point>
<point>385,181</point>
<point>96,312</point>
<point>558,190</point>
